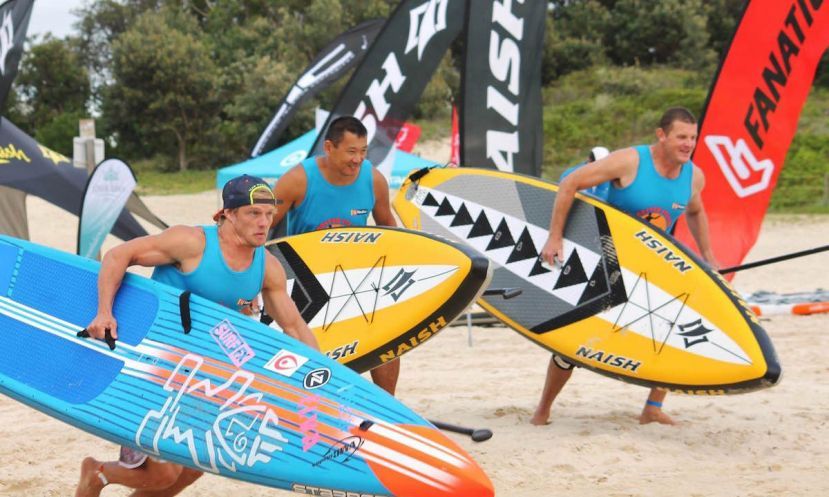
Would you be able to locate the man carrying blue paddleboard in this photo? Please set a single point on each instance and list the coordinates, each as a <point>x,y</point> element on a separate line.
<point>338,188</point>
<point>657,183</point>
<point>225,263</point>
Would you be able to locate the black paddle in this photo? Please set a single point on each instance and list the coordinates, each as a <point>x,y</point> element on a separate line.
<point>772,260</point>
<point>477,435</point>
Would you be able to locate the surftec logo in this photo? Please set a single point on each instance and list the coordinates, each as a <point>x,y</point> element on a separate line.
<point>744,172</point>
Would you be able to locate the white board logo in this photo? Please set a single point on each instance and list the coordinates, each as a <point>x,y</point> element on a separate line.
<point>285,362</point>
<point>6,40</point>
<point>425,21</point>
<point>316,378</point>
<point>293,158</point>
<point>741,169</point>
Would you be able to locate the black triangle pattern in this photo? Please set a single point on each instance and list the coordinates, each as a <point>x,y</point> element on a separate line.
<point>572,273</point>
<point>430,200</point>
<point>524,249</point>
<point>463,217</point>
<point>538,268</point>
<point>596,285</point>
<point>481,227</point>
<point>445,208</point>
<point>502,237</point>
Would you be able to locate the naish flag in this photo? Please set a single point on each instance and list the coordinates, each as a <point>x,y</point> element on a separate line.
<point>342,54</point>
<point>107,190</point>
<point>387,84</point>
<point>14,21</point>
<point>751,117</point>
<point>500,120</point>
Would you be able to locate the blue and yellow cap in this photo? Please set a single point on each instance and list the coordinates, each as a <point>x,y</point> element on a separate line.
<point>245,190</point>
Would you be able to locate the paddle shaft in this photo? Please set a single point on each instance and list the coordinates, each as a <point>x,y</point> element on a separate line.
<point>478,435</point>
<point>772,260</point>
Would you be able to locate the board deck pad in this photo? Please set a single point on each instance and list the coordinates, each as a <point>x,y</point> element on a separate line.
<point>231,396</point>
<point>371,294</point>
<point>628,301</point>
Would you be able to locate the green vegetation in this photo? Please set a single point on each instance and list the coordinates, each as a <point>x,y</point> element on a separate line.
<point>188,86</point>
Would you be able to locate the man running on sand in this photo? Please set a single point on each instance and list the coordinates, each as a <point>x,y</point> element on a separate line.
<point>225,263</point>
<point>657,183</point>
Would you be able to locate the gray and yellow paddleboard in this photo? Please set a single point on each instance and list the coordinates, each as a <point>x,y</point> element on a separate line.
<point>629,302</point>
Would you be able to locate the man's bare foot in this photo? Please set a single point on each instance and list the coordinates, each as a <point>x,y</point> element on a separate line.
<point>655,415</point>
<point>90,484</point>
<point>540,419</point>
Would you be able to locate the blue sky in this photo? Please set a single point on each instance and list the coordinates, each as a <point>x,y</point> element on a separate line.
<point>53,16</point>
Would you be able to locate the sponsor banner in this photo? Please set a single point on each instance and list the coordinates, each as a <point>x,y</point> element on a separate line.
<point>14,21</point>
<point>340,56</point>
<point>387,85</point>
<point>107,190</point>
<point>407,137</point>
<point>455,153</point>
<point>751,117</point>
<point>500,118</point>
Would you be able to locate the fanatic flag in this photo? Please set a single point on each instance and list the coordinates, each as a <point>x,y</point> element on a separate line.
<point>751,117</point>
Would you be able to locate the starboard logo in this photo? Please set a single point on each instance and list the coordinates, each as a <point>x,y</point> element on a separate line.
<point>744,172</point>
<point>342,449</point>
<point>425,21</point>
<point>6,40</point>
<point>505,66</point>
<point>327,492</point>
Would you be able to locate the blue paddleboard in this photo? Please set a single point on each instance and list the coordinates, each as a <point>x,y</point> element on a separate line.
<point>197,384</point>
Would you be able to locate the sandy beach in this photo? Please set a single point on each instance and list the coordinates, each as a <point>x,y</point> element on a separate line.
<point>769,443</point>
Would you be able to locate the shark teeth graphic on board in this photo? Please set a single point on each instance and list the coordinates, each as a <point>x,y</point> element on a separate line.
<point>515,245</point>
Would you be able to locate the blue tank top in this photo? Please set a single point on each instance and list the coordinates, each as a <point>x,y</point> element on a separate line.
<point>599,191</point>
<point>329,206</point>
<point>213,279</point>
<point>653,197</point>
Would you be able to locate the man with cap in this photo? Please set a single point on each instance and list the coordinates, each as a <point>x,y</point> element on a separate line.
<point>225,263</point>
<point>338,188</point>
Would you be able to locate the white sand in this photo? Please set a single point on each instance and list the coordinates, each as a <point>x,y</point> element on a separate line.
<point>769,443</point>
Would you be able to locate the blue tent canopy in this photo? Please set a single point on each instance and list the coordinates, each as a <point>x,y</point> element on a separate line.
<point>272,165</point>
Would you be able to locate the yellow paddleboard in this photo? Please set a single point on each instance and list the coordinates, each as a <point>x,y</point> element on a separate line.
<point>372,294</point>
<point>628,302</point>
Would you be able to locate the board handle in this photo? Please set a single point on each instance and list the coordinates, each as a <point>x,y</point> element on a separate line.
<point>107,337</point>
<point>184,311</point>
<point>505,293</point>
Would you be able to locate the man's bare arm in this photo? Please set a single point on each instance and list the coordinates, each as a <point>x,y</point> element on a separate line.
<point>698,220</point>
<point>279,304</point>
<point>382,209</point>
<point>171,246</point>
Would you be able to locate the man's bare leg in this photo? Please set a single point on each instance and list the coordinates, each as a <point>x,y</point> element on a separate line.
<point>185,479</point>
<point>151,475</point>
<point>385,376</point>
<point>652,412</point>
<point>554,382</point>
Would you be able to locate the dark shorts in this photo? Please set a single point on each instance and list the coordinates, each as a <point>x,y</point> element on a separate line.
<point>562,363</point>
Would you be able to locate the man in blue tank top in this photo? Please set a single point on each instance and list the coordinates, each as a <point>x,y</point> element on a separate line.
<point>225,263</point>
<point>657,183</point>
<point>338,188</point>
